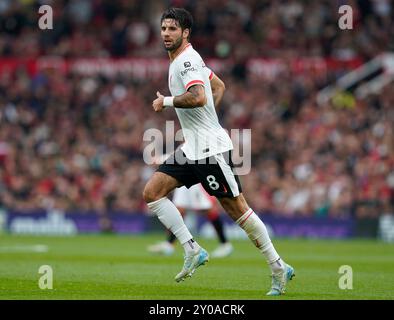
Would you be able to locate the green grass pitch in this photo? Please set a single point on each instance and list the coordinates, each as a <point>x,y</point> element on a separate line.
<point>119,267</point>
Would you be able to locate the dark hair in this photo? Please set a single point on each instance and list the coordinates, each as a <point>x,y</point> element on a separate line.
<point>181,15</point>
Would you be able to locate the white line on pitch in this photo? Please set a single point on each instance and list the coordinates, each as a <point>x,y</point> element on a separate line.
<point>24,248</point>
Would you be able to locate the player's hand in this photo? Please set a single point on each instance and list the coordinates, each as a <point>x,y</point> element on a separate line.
<point>157,104</point>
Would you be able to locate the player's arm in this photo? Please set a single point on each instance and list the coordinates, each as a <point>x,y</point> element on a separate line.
<point>218,88</point>
<point>192,98</point>
<point>189,72</point>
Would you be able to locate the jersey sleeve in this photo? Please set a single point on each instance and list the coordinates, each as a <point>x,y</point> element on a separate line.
<point>209,72</point>
<point>191,72</point>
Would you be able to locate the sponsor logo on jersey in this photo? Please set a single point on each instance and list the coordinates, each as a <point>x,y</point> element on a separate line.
<point>187,64</point>
<point>187,70</point>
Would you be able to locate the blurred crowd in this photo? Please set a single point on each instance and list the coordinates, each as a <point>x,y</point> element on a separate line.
<point>223,28</point>
<point>74,142</point>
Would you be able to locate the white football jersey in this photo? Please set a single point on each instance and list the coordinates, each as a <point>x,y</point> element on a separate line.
<point>203,134</point>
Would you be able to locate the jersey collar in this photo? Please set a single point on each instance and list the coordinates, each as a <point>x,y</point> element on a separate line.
<point>189,45</point>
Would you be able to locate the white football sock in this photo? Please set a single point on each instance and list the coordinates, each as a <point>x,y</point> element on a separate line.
<point>191,247</point>
<point>171,218</point>
<point>277,266</point>
<point>257,232</point>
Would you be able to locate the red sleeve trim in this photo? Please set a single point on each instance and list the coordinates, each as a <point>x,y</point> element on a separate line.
<point>211,75</point>
<point>192,83</point>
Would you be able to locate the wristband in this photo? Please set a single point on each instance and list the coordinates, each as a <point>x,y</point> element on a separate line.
<point>168,101</point>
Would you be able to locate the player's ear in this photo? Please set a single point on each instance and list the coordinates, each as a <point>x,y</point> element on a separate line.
<point>186,33</point>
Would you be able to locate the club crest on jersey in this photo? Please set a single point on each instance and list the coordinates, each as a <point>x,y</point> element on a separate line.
<point>187,64</point>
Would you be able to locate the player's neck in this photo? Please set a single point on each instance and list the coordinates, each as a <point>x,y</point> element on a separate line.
<point>177,52</point>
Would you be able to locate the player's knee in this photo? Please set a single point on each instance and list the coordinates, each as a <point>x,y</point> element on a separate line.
<point>150,194</point>
<point>235,207</point>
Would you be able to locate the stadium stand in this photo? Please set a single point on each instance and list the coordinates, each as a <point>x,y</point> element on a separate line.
<point>72,140</point>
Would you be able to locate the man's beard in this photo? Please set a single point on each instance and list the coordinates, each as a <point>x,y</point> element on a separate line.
<point>175,46</point>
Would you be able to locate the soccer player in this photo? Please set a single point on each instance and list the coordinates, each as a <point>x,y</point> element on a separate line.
<point>204,158</point>
<point>198,200</point>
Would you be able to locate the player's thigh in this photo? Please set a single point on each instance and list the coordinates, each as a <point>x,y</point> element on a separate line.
<point>180,171</point>
<point>217,177</point>
<point>159,186</point>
